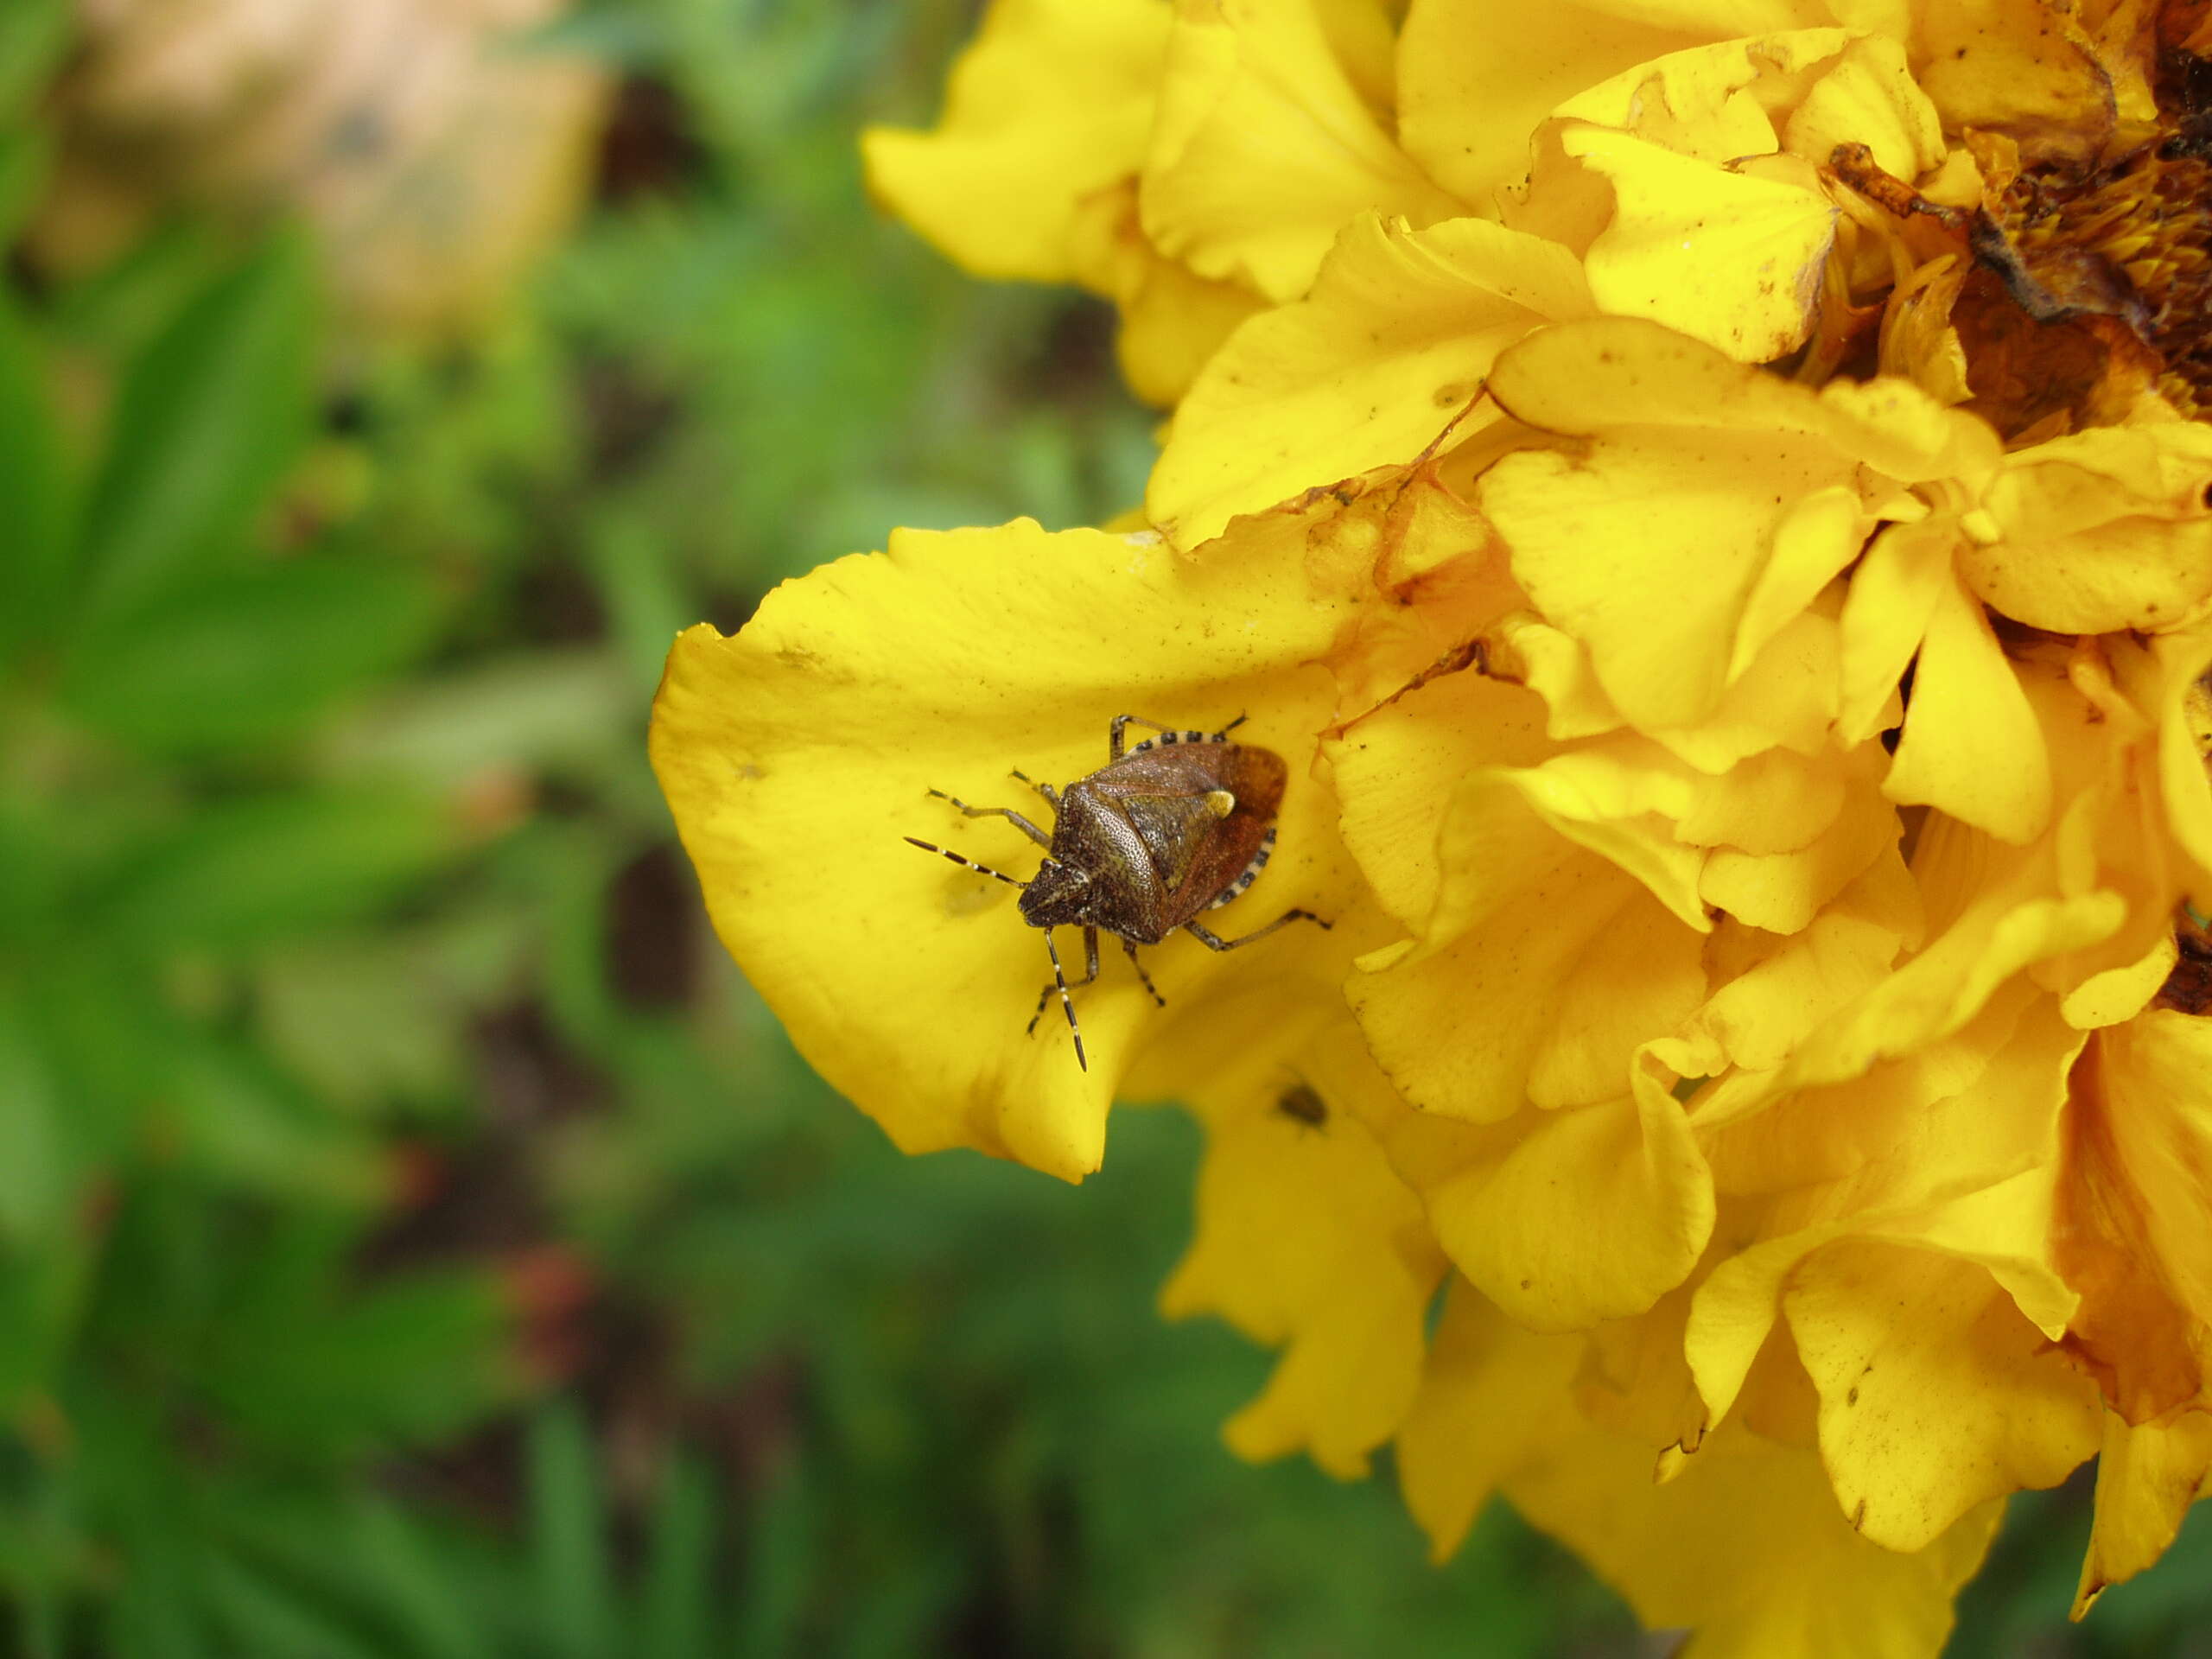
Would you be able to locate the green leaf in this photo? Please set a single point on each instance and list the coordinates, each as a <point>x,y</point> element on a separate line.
<point>247,654</point>
<point>35,487</point>
<point>267,1620</point>
<point>568,1524</point>
<point>271,867</point>
<point>211,416</point>
<point>245,1127</point>
<point>678,1592</point>
<point>26,161</point>
<point>32,36</point>
<point>414,1361</point>
<point>420,1590</point>
<point>35,1187</point>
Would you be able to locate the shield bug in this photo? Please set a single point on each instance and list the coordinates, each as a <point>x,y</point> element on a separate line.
<point>1177,825</point>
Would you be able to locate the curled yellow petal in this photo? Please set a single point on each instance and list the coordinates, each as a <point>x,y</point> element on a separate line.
<point>1053,102</point>
<point>1264,147</point>
<point>798,755</point>
<point>1937,1395</point>
<point>1387,353</point>
<point>1306,1240</point>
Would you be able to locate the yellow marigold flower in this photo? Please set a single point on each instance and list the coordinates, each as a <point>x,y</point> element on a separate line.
<point>1709,502</point>
<point>799,755</point>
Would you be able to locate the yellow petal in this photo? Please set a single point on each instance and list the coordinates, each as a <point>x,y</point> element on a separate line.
<point>2135,1208</point>
<point>1947,1151</point>
<point>1724,257</point>
<point>1747,1548</point>
<point>1783,892</point>
<point>1396,769</point>
<point>1171,318</point>
<point>1869,97</point>
<point>1306,1240</point>
<point>1971,747</point>
<point>1526,1227</point>
<point>1473,82</point>
<point>2014,67</point>
<point>2147,1477</point>
<point>1263,147</point>
<point>2103,530</point>
<point>1389,351</point>
<point>796,758</point>
<point>1893,592</point>
<point>1053,101</point>
<point>1493,1396</point>
<point>1674,510</point>
<point>1545,966</point>
<point>2004,921</point>
<point>1937,1395</point>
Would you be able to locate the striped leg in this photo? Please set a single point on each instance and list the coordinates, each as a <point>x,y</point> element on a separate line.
<point>1006,812</point>
<point>1167,735</point>
<point>1152,990</point>
<point>965,863</point>
<point>1215,942</point>
<point>1051,794</point>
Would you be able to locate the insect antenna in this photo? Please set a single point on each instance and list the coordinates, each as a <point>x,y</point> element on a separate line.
<point>1067,1002</point>
<point>965,863</point>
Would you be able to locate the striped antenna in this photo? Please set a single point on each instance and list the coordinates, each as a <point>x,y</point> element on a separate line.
<point>965,863</point>
<point>1067,1002</point>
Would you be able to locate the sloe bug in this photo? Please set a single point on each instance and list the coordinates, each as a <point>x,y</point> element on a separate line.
<point>1179,825</point>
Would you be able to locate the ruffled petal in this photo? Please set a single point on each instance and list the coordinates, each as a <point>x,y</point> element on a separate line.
<point>1521,1223</point>
<point>1493,1398</point>
<point>1172,320</point>
<point>798,756</point>
<point>1937,1395</point>
<point>2102,531</point>
<point>1264,148</point>
<point>1387,353</point>
<point>1053,102</point>
<point>2147,1477</point>
<point>1746,1547</point>
<point>1972,747</point>
<point>1306,1241</point>
<point>1544,965</point>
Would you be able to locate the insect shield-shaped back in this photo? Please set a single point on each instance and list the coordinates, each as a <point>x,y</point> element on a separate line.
<point>1179,825</point>
<point>1145,843</point>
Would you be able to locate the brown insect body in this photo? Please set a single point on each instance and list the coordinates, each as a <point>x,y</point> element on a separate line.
<point>1142,845</point>
<point>1177,825</point>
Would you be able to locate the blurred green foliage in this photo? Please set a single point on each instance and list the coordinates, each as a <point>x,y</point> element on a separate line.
<point>414,1241</point>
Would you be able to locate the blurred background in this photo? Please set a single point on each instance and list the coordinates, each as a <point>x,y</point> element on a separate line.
<point>415,1242</point>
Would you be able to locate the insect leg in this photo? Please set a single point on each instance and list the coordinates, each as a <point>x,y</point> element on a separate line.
<point>1067,1002</point>
<point>1114,736</point>
<point>1154,990</point>
<point>1006,812</point>
<point>1045,789</point>
<point>966,863</point>
<point>1091,947</point>
<point>1215,942</point>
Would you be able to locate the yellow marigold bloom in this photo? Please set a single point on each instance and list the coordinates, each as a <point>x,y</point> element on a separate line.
<point>1709,501</point>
